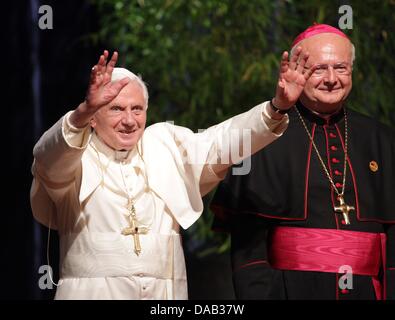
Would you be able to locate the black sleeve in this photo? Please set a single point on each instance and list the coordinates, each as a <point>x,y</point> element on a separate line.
<point>225,202</point>
<point>253,278</point>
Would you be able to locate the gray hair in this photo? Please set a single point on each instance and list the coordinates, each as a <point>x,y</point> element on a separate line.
<point>299,43</point>
<point>120,73</point>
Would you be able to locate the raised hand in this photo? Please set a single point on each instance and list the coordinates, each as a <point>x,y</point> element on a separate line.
<point>292,79</point>
<point>101,90</point>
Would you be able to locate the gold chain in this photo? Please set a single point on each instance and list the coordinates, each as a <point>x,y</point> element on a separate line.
<point>103,169</point>
<point>320,158</point>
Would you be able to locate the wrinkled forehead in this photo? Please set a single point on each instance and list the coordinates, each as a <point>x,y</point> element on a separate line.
<point>328,48</point>
<point>133,92</point>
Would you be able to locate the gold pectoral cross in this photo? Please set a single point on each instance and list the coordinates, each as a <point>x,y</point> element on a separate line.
<point>133,229</point>
<point>344,209</point>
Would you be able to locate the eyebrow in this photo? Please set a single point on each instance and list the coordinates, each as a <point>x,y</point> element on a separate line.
<point>327,64</point>
<point>128,106</point>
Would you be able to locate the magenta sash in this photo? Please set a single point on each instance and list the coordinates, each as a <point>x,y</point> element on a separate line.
<point>326,250</point>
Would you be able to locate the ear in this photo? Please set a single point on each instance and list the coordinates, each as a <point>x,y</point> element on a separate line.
<point>93,122</point>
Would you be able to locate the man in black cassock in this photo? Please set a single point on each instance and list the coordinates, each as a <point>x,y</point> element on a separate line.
<point>315,216</point>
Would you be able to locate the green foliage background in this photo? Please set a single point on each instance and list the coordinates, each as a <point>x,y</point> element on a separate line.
<point>207,60</point>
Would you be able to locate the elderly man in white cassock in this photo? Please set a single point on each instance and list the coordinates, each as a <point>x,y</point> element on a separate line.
<point>117,193</point>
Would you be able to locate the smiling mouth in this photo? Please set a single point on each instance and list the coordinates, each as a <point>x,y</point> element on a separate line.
<point>332,90</point>
<point>126,132</point>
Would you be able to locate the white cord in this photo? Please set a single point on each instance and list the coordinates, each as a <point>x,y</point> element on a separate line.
<point>50,268</point>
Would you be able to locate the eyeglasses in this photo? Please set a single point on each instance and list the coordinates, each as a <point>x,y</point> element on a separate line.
<point>341,69</point>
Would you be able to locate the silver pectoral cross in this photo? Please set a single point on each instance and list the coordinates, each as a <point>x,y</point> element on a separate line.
<point>133,229</point>
<point>344,209</point>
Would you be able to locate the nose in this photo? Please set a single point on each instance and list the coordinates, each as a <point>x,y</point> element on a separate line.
<point>330,77</point>
<point>128,118</point>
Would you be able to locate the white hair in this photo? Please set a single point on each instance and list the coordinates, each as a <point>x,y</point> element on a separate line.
<point>120,73</point>
<point>299,43</point>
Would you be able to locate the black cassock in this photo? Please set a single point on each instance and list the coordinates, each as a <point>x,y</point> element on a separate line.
<point>287,187</point>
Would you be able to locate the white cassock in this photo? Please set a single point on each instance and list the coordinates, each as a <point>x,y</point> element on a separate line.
<point>81,188</point>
